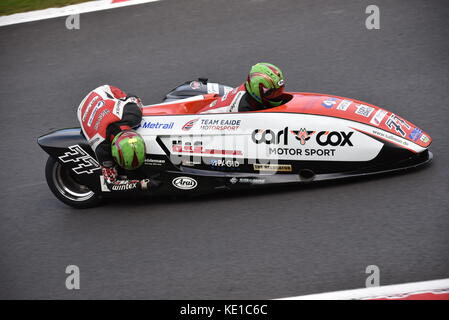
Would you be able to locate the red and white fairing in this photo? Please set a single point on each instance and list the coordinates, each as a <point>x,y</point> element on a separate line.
<point>101,107</point>
<point>309,127</point>
<point>381,123</point>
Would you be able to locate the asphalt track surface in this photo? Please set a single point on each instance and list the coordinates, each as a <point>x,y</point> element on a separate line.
<point>268,244</point>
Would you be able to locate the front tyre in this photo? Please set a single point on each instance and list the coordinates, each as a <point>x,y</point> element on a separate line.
<point>64,185</point>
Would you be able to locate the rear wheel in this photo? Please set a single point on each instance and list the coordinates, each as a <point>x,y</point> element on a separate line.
<point>65,186</point>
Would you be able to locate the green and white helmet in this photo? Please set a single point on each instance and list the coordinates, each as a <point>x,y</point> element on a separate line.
<point>128,150</point>
<point>265,83</point>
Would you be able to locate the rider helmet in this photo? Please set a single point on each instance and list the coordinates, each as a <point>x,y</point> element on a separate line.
<point>128,150</point>
<point>265,84</point>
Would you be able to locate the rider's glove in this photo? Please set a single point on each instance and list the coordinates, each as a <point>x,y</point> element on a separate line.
<point>109,174</point>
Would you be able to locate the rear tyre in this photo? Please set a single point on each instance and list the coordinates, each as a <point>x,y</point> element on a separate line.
<point>64,185</point>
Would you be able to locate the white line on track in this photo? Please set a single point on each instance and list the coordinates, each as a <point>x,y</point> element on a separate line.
<point>68,10</point>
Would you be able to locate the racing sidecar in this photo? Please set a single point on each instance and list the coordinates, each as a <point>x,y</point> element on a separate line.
<point>312,137</point>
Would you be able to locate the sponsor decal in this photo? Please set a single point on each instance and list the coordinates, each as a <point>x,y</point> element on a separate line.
<point>213,88</point>
<point>184,183</point>
<point>270,137</point>
<point>334,138</point>
<point>220,124</point>
<point>189,124</point>
<point>391,137</point>
<point>195,85</point>
<point>302,152</point>
<point>190,163</point>
<point>364,110</point>
<point>100,117</point>
<point>122,185</point>
<point>378,117</point>
<point>85,163</point>
<point>302,135</point>
<point>92,115</point>
<point>197,147</point>
<point>344,105</point>
<point>154,162</point>
<point>329,103</point>
<point>397,123</point>
<point>323,138</point>
<point>89,106</point>
<point>227,163</point>
<point>273,167</point>
<point>424,138</point>
<point>157,125</point>
<point>415,134</point>
<point>235,180</point>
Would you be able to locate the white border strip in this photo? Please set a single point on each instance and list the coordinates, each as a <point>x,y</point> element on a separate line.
<point>391,292</point>
<point>67,10</point>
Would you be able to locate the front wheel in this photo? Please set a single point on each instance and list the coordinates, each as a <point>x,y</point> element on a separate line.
<point>65,187</point>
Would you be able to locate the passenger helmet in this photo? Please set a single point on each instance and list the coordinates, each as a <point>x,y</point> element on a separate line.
<point>128,150</point>
<point>265,83</point>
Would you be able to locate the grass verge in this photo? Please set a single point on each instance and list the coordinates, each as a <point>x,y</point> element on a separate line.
<point>8,7</point>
